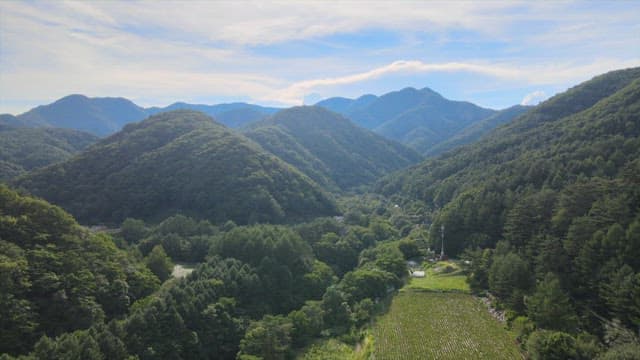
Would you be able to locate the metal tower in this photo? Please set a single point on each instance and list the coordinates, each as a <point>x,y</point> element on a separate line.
<point>442,236</point>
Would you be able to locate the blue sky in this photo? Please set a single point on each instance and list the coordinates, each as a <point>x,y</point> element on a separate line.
<point>495,54</point>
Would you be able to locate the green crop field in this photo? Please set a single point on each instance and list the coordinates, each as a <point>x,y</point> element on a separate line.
<point>435,317</point>
<point>441,276</point>
<point>430,325</point>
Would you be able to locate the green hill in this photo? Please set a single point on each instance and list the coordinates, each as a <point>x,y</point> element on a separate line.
<point>24,149</point>
<point>57,277</point>
<point>478,129</point>
<point>589,132</point>
<point>558,192</point>
<point>179,162</point>
<point>329,148</point>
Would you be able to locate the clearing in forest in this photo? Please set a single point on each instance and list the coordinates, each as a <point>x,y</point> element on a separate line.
<point>429,322</point>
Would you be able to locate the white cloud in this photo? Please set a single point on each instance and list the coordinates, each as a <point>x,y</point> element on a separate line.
<point>294,92</point>
<point>525,75</point>
<point>533,98</point>
<point>183,50</point>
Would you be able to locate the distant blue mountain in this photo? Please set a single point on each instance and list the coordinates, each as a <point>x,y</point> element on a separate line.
<point>99,116</point>
<point>421,119</point>
<point>104,116</point>
<point>233,115</point>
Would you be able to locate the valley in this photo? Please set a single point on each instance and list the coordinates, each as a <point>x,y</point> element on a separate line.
<point>436,317</point>
<point>289,232</point>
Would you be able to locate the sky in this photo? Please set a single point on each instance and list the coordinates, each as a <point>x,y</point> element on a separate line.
<point>285,53</point>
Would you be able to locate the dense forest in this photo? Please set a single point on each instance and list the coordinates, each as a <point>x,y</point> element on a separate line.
<point>543,213</point>
<point>547,210</point>
<point>24,149</point>
<point>329,148</point>
<point>258,291</point>
<point>179,162</point>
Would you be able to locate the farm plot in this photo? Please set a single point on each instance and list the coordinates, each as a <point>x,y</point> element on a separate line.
<point>429,325</point>
<point>437,279</point>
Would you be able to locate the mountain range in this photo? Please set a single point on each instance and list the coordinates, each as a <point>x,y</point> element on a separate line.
<point>179,162</point>
<point>104,116</point>
<point>582,143</point>
<point>421,119</point>
<point>329,148</point>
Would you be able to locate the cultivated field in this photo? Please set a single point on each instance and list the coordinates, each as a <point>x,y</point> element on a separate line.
<point>435,317</point>
<point>439,280</point>
<point>430,325</point>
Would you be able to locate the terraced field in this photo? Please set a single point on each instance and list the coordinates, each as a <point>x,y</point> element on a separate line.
<point>435,319</point>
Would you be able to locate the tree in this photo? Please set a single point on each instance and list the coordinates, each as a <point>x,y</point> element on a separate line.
<point>549,307</point>
<point>337,312</point>
<point>268,339</point>
<point>159,263</point>
<point>510,279</point>
<point>307,322</point>
<point>132,230</point>
<point>551,345</point>
<point>409,248</point>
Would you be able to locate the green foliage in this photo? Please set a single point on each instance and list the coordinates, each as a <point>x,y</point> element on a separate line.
<point>179,162</point>
<point>550,307</point>
<point>409,248</point>
<point>159,263</point>
<point>57,277</point>
<point>307,322</point>
<point>329,148</point>
<point>628,351</point>
<point>268,339</point>
<point>510,279</point>
<point>25,149</point>
<point>476,130</point>
<point>329,350</point>
<point>184,239</point>
<point>560,186</point>
<point>281,258</point>
<point>132,230</point>
<point>551,345</point>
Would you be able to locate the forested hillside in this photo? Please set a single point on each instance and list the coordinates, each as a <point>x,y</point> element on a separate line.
<point>329,148</point>
<point>477,130</point>
<point>258,291</point>
<point>179,162</point>
<point>557,193</point>
<point>56,277</point>
<point>24,149</point>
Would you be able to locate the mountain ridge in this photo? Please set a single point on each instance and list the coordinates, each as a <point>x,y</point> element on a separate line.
<point>330,148</point>
<point>179,162</point>
<point>419,118</point>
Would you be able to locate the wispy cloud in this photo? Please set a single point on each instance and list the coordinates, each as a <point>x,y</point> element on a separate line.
<point>533,98</point>
<point>526,75</point>
<point>278,52</point>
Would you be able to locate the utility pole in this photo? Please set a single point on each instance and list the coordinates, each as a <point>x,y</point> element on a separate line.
<point>442,236</point>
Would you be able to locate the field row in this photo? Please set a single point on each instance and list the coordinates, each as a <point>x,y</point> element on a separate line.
<point>428,325</point>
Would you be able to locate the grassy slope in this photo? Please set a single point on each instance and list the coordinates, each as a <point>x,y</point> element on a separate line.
<point>435,318</point>
<point>437,280</point>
